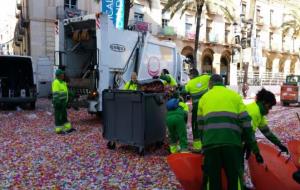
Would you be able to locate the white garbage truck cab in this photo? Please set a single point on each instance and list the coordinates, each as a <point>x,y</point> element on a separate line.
<point>96,56</point>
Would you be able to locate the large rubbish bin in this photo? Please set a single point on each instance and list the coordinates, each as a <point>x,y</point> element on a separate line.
<point>134,118</point>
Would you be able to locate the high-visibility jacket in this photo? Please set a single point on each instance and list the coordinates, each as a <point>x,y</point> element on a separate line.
<point>184,106</point>
<point>130,86</point>
<point>259,121</point>
<point>168,80</point>
<point>223,119</point>
<point>197,86</point>
<point>173,82</point>
<point>59,91</point>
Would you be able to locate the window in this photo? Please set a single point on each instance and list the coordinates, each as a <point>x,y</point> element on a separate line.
<point>270,40</point>
<point>164,23</point>
<point>72,4</point>
<point>139,17</point>
<point>283,43</point>
<point>258,16</point>
<point>294,38</point>
<point>244,6</point>
<point>257,33</point>
<point>271,16</point>
<point>208,29</point>
<point>227,31</point>
<point>188,28</point>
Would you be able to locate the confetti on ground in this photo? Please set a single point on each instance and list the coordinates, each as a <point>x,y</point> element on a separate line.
<point>33,156</point>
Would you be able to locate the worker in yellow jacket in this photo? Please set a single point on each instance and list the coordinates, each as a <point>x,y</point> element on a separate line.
<point>60,96</point>
<point>224,125</point>
<point>258,110</point>
<point>132,84</point>
<point>196,87</point>
<point>168,78</point>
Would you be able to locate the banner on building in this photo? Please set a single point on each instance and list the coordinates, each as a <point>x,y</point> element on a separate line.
<point>115,11</point>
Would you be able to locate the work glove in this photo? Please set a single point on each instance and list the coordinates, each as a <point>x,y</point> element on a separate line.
<point>259,158</point>
<point>283,148</point>
<point>247,151</point>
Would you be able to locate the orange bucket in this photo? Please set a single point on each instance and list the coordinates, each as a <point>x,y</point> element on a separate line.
<point>276,172</point>
<point>294,148</point>
<point>188,170</point>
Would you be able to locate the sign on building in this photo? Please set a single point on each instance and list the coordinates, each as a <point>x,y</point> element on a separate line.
<point>115,11</point>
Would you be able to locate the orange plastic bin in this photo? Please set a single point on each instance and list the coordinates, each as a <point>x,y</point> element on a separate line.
<point>294,148</point>
<point>276,172</point>
<point>188,170</point>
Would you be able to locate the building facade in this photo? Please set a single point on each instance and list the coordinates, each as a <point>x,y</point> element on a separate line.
<point>274,54</point>
<point>7,27</point>
<point>37,24</point>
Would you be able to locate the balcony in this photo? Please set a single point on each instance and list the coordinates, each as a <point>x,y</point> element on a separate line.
<point>168,31</point>
<point>260,21</point>
<point>140,26</point>
<point>212,38</point>
<point>19,5</point>
<point>190,36</point>
<point>65,13</point>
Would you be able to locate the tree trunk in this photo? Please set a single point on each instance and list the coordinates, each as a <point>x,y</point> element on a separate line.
<point>198,17</point>
<point>126,13</point>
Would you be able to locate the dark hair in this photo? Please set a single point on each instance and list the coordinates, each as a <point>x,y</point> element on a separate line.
<point>266,96</point>
<point>216,79</point>
<point>194,72</point>
<point>165,71</point>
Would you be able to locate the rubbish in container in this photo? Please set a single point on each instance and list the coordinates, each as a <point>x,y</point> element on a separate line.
<point>151,86</point>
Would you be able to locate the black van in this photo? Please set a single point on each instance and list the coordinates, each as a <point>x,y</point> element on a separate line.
<point>16,81</point>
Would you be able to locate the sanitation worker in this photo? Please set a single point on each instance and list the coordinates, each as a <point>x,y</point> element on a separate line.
<point>176,126</point>
<point>223,119</point>
<point>196,87</point>
<point>60,101</point>
<point>258,110</point>
<point>132,84</point>
<point>168,78</point>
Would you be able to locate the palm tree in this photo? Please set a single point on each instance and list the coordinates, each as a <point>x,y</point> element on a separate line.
<point>127,7</point>
<point>175,6</point>
<point>292,24</point>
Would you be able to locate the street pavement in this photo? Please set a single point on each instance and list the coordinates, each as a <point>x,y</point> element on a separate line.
<point>32,156</point>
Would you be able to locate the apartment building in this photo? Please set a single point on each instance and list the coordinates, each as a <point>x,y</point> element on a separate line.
<point>273,54</point>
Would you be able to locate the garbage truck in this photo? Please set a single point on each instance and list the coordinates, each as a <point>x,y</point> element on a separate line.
<point>97,56</point>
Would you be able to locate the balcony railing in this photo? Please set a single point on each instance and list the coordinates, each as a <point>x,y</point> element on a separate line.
<point>168,31</point>
<point>213,38</point>
<point>260,21</point>
<point>266,78</point>
<point>190,35</point>
<point>140,26</point>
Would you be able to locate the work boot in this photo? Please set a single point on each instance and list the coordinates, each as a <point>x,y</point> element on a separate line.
<point>59,130</point>
<point>173,149</point>
<point>197,146</point>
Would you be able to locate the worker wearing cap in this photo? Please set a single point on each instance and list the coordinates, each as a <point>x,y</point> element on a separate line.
<point>60,101</point>
<point>176,126</point>
<point>258,110</point>
<point>223,119</point>
<point>132,84</point>
<point>196,87</point>
<point>168,78</point>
